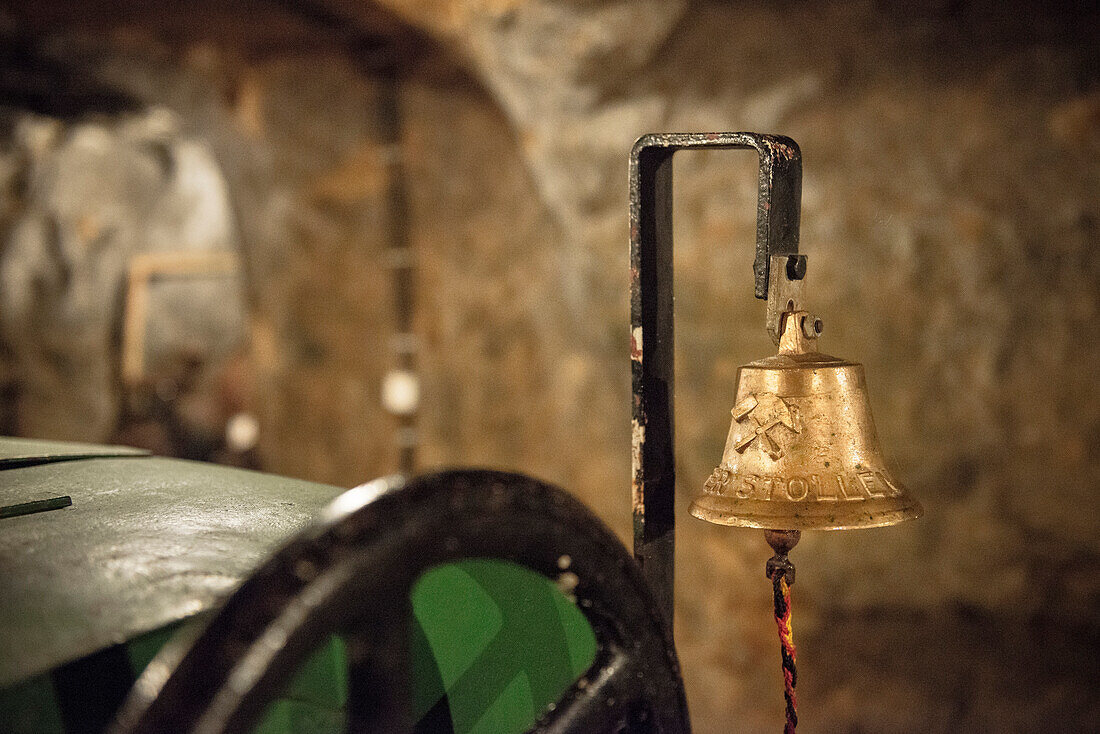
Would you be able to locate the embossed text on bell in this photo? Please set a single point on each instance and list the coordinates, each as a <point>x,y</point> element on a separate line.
<point>802,451</point>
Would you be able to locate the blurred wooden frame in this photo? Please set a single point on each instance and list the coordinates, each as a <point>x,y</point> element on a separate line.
<point>143,269</point>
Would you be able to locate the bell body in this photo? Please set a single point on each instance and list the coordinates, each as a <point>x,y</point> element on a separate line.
<point>802,452</point>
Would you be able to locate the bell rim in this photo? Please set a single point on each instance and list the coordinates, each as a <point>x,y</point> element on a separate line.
<point>911,509</point>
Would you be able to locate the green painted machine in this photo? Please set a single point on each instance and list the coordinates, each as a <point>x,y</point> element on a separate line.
<point>146,544</point>
<point>473,602</point>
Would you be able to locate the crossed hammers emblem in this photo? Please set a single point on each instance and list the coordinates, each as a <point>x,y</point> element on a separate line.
<point>766,411</point>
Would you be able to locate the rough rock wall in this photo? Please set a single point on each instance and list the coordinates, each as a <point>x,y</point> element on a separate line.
<point>86,199</point>
<point>295,135</point>
<point>950,211</point>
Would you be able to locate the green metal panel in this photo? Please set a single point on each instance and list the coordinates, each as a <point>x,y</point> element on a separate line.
<point>495,643</point>
<point>146,542</point>
<point>315,702</point>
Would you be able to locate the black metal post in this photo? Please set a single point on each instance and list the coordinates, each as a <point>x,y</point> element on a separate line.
<point>653,483</point>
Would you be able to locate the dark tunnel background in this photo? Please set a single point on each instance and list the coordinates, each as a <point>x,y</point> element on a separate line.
<point>408,224</point>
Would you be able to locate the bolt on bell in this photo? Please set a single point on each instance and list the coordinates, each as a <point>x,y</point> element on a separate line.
<point>802,452</point>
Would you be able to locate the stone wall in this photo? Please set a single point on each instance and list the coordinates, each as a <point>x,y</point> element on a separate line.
<point>950,217</point>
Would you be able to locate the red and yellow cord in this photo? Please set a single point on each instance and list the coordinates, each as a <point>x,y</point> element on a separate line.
<point>786,647</point>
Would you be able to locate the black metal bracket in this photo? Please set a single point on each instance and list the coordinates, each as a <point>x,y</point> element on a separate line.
<point>651,314</point>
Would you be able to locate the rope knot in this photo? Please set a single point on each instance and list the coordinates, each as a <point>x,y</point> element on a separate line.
<point>780,565</point>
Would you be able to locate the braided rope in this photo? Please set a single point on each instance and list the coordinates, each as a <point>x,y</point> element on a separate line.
<point>782,597</point>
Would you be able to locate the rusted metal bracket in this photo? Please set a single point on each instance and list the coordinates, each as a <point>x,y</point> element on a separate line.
<point>651,313</point>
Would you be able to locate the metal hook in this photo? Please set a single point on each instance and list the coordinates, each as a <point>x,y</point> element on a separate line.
<point>778,206</point>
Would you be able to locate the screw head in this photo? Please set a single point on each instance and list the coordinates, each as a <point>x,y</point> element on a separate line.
<point>796,267</point>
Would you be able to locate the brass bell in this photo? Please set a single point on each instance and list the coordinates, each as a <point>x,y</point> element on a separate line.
<point>802,452</point>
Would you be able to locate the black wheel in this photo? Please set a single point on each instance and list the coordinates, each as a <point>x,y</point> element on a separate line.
<point>351,574</point>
